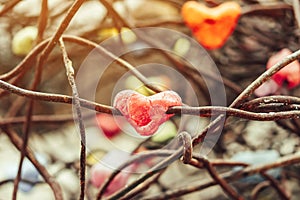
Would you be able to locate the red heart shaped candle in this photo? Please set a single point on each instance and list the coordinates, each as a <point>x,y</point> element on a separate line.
<point>211,26</point>
<point>146,114</point>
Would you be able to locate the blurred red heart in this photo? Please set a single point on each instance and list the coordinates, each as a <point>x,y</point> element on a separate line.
<point>146,114</point>
<point>290,73</point>
<point>211,26</point>
<point>108,164</point>
<point>108,125</point>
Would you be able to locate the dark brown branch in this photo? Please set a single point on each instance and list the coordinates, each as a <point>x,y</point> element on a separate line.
<point>285,126</point>
<point>207,111</point>
<point>9,5</point>
<point>229,176</point>
<point>220,181</point>
<point>143,187</point>
<point>217,162</point>
<point>270,99</point>
<point>273,182</point>
<point>258,188</point>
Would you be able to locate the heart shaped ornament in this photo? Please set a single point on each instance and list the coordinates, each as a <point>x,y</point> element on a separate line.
<point>146,114</point>
<point>211,26</point>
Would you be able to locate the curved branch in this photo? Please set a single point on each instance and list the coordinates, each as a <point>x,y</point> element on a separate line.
<point>40,119</point>
<point>270,99</point>
<point>9,5</point>
<point>56,98</point>
<point>205,111</point>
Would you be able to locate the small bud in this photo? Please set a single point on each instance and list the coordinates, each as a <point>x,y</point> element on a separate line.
<point>23,40</point>
<point>102,170</point>
<point>290,73</point>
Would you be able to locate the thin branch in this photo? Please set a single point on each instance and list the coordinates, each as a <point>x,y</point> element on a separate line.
<point>62,27</point>
<point>23,180</point>
<point>258,188</point>
<point>26,63</point>
<point>218,162</point>
<point>8,6</point>
<point>143,187</point>
<point>26,130</point>
<point>295,123</point>
<point>40,119</point>
<point>270,99</point>
<point>224,185</point>
<point>114,13</point>
<point>273,182</point>
<point>229,176</point>
<point>208,111</point>
<point>56,98</point>
<point>187,148</point>
<point>287,127</point>
<point>42,22</point>
<point>275,107</point>
<point>76,102</point>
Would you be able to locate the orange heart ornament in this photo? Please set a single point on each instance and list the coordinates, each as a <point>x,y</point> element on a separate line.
<point>211,26</point>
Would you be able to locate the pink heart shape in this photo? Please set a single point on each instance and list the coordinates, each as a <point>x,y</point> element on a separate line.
<point>146,114</point>
<point>108,164</point>
<point>290,73</point>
